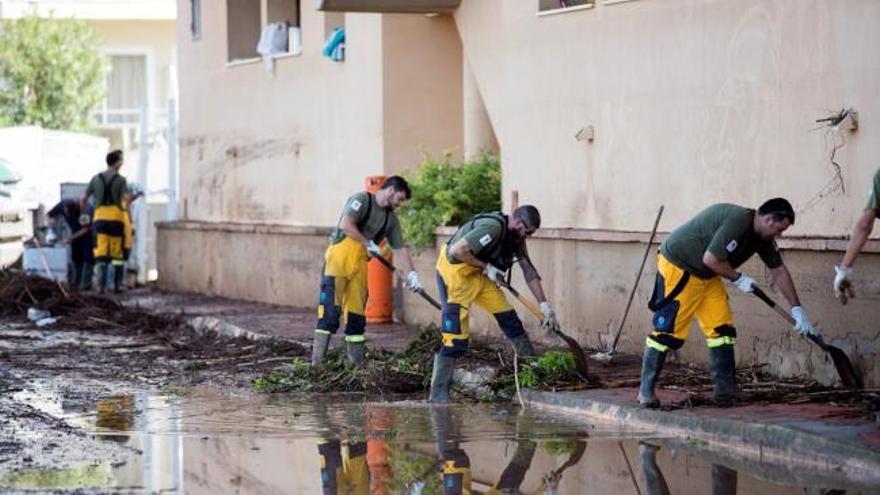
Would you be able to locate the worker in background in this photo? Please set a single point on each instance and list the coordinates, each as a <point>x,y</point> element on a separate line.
<point>842,284</point>
<point>480,253</point>
<point>691,264</point>
<point>110,191</point>
<point>79,240</point>
<point>366,220</point>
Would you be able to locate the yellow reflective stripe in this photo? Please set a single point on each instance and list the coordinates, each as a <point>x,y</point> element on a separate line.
<point>117,262</point>
<point>449,338</point>
<point>320,311</point>
<point>355,338</point>
<point>720,341</point>
<point>656,345</point>
<point>322,332</point>
<point>449,467</point>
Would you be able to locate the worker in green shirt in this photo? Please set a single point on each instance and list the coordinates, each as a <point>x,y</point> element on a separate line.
<point>842,285</point>
<point>367,219</point>
<point>691,264</point>
<point>474,258</point>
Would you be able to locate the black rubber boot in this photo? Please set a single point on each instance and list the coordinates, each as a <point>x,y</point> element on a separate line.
<point>319,347</point>
<point>101,270</point>
<point>652,365</point>
<point>441,378</point>
<point>523,347</point>
<point>118,278</point>
<point>354,351</point>
<point>655,482</point>
<point>722,367</point>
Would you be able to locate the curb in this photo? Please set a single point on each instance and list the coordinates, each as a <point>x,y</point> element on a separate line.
<point>758,442</point>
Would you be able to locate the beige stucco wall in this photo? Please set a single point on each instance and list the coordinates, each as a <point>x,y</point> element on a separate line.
<point>693,102</point>
<point>423,111</point>
<point>290,146</point>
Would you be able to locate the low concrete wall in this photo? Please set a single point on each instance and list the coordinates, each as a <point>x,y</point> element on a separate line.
<point>588,275</point>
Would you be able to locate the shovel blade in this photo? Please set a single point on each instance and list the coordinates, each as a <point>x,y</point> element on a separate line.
<point>580,359</point>
<point>849,377</point>
<point>845,369</point>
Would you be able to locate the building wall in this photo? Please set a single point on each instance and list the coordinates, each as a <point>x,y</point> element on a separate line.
<point>423,110</point>
<point>692,101</point>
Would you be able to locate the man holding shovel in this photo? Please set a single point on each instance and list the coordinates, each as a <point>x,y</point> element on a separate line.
<point>690,267</point>
<point>468,268</point>
<point>366,220</point>
<point>842,285</point>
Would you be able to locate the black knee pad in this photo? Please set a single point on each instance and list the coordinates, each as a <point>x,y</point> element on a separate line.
<point>510,324</point>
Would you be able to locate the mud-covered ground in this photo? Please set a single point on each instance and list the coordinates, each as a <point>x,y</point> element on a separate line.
<point>66,387</point>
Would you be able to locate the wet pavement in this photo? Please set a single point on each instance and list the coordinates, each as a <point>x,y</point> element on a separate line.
<point>100,412</point>
<point>210,441</point>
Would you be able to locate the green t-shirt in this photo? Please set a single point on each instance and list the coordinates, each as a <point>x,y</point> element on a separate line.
<point>724,230</point>
<point>874,194</point>
<point>117,188</point>
<point>483,234</point>
<point>361,207</point>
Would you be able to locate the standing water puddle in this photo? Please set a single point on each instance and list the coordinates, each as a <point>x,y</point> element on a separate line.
<point>207,442</point>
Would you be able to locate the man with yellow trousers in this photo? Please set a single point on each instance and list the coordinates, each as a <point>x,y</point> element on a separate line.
<point>692,262</point>
<point>367,219</point>
<point>111,225</point>
<point>476,256</point>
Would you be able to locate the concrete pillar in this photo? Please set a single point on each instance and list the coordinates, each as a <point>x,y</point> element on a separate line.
<point>478,133</point>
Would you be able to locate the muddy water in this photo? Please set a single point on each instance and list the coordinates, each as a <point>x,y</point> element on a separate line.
<point>204,441</point>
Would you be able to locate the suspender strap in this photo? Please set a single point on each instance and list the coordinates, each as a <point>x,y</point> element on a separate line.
<point>657,305</point>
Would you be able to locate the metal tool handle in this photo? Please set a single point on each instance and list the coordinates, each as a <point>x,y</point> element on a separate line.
<point>770,302</point>
<point>422,292</point>
<point>632,293</point>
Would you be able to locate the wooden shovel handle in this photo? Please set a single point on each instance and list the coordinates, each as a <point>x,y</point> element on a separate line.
<point>519,297</point>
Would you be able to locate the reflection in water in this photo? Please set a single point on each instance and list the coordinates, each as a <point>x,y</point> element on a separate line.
<point>209,443</point>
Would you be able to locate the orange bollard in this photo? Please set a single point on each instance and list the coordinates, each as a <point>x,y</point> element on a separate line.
<point>380,299</point>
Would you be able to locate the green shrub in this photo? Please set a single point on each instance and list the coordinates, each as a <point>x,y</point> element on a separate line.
<point>448,193</point>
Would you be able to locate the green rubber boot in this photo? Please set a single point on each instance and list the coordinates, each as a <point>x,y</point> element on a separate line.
<point>652,364</point>
<point>441,378</point>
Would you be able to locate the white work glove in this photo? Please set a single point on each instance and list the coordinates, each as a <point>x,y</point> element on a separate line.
<point>802,323</point>
<point>843,289</point>
<point>84,219</point>
<point>373,249</point>
<point>493,272</point>
<point>412,281</point>
<point>549,323</point>
<point>744,283</point>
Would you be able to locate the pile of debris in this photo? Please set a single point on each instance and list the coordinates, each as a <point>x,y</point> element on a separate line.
<point>77,311</point>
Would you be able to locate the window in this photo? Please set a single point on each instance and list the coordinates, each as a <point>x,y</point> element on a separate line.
<point>195,18</point>
<point>242,29</point>
<point>550,5</point>
<point>245,22</point>
<point>126,90</point>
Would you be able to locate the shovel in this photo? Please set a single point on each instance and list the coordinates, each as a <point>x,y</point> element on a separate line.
<point>580,360</point>
<point>606,357</point>
<point>845,369</point>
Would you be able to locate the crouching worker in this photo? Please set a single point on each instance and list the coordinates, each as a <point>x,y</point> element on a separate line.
<point>366,220</point>
<point>477,255</point>
<point>690,267</point>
